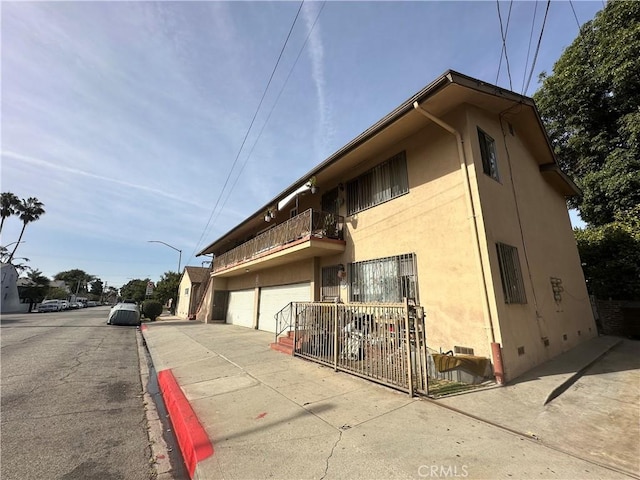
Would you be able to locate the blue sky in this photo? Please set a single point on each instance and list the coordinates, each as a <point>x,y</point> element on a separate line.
<point>125,118</point>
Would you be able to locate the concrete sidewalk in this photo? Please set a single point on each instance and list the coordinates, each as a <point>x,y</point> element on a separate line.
<point>270,415</point>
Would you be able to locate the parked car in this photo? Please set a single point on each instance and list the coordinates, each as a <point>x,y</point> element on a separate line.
<point>124,314</point>
<point>91,303</point>
<point>65,304</point>
<point>50,306</point>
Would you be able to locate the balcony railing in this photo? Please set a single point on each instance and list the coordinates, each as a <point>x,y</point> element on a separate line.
<point>310,223</point>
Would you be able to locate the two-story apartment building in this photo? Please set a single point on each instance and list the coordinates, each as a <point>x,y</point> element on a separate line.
<point>454,200</point>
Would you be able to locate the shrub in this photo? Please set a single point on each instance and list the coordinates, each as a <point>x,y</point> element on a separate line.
<point>152,309</point>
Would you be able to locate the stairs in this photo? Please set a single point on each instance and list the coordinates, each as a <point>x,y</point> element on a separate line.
<point>284,344</point>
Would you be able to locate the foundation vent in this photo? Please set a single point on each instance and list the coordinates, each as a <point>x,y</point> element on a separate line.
<point>545,341</point>
<point>463,350</point>
<point>564,337</point>
<point>520,351</point>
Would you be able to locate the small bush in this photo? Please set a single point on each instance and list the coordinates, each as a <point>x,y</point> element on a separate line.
<point>152,309</point>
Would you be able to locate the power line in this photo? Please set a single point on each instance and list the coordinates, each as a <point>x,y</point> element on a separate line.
<point>535,57</point>
<point>526,64</point>
<point>574,14</point>
<point>503,33</point>
<point>272,109</point>
<point>247,133</point>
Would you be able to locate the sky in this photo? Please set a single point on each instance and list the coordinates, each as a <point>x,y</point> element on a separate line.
<point>134,121</point>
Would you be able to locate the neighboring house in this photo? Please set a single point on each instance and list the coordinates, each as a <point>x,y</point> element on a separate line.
<point>10,299</point>
<point>191,288</point>
<point>455,200</point>
<point>59,284</point>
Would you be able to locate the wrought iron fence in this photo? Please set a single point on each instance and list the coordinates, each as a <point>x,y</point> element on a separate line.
<point>308,223</point>
<point>385,343</point>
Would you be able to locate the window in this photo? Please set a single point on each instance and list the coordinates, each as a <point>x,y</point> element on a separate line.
<point>512,284</point>
<point>383,182</point>
<point>488,153</point>
<point>186,291</point>
<point>385,280</point>
<point>330,283</point>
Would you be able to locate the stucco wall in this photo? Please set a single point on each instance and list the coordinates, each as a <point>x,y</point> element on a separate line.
<point>182,310</point>
<point>523,210</point>
<point>432,221</point>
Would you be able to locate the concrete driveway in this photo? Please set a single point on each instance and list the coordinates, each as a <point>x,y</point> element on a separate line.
<point>597,418</point>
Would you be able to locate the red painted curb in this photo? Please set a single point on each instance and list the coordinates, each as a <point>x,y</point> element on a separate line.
<point>192,439</point>
<point>143,327</point>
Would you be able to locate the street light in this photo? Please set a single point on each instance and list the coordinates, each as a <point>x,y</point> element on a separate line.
<point>170,246</point>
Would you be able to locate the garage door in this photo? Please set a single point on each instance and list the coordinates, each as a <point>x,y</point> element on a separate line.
<point>240,309</point>
<point>274,299</point>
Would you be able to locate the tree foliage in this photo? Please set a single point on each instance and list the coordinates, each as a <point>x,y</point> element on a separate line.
<point>135,289</point>
<point>8,206</point>
<point>28,210</point>
<point>76,280</point>
<point>167,288</point>
<point>590,107</point>
<point>37,288</point>
<point>611,257</point>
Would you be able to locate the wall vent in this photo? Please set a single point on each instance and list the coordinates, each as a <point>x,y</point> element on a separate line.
<point>463,350</point>
<point>520,351</point>
<point>564,337</point>
<point>545,341</point>
<point>579,333</point>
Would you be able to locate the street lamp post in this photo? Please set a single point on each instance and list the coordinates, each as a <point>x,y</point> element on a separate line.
<point>170,246</point>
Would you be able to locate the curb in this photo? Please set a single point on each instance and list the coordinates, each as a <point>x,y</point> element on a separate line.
<point>560,389</point>
<point>193,440</point>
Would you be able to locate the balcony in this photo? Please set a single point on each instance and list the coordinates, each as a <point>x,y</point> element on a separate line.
<point>311,234</point>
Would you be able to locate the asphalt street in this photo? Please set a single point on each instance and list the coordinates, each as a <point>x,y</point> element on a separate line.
<point>72,403</point>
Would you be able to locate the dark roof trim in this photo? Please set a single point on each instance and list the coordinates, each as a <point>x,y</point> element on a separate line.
<point>555,168</point>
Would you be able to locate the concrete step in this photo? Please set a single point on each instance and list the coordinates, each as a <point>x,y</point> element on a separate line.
<point>282,348</point>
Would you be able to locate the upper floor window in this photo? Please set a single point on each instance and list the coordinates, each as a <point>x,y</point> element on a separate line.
<point>511,274</point>
<point>488,153</point>
<point>383,182</point>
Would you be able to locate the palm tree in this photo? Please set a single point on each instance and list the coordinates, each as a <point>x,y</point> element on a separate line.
<point>8,206</point>
<point>29,210</point>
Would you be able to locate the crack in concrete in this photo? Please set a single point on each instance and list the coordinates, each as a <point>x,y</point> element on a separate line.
<point>326,469</point>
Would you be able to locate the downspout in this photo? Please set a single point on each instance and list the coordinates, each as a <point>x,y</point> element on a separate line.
<point>495,347</point>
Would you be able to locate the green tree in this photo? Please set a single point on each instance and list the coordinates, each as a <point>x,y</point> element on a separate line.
<point>167,288</point>
<point>36,289</point>
<point>28,210</point>
<point>8,206</point>
<point>611,257</point>
<point>57,293</point>
<point>135,289</point>
<point>97,287</point>
<point>590,107</point>
<point>76,280</point>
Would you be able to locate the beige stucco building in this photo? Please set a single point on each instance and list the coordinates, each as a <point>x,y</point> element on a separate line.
<point>455,200</point>
<point>192,284</point>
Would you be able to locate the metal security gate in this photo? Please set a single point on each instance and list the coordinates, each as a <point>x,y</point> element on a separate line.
<point>385,343</point>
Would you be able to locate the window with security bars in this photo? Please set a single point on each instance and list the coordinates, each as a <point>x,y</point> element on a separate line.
<point>512,284</point>
<point>383,182</point>
<point>330,283</point>
<point>384,280</point>
<point>488,154</point>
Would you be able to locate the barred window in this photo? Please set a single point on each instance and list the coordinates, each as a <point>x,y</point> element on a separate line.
<point>384,280</point>
<point>512,284</point>
<point>383,182</point>
<point>488,153</point>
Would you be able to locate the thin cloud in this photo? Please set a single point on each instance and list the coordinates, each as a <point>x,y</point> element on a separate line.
<point>75,171</point>
<point>316,54</point>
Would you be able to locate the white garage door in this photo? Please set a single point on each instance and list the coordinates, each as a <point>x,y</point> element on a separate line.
<point>274,299</point>
<point>240,309</point>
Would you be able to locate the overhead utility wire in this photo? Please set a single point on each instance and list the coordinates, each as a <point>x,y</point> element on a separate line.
<point>535,57</point>
<point>526,64</point>
<point>204,232</point>
<point>574,14</point>
<point>503,33</point>
<point>272,109</point>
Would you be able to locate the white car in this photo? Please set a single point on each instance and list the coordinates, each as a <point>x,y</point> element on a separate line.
<point>50,306</point>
